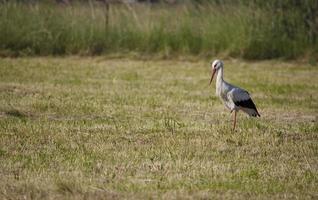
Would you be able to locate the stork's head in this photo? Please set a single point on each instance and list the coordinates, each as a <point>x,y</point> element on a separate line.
<point>215,66</point>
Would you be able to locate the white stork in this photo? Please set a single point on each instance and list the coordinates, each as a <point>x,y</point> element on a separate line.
<point>234,98</point>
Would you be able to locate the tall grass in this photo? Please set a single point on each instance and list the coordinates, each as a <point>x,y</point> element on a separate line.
<point>208,29</point>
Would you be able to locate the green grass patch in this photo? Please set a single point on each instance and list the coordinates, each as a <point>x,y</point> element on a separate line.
<point>245,30</point>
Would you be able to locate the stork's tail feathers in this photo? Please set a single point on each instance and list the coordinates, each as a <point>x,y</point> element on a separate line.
<point>258,114</point>
<point>251,112</point>
<point>248,107</point>
<point>255,114</point>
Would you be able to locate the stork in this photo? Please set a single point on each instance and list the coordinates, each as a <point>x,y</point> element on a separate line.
<point>234,98</point>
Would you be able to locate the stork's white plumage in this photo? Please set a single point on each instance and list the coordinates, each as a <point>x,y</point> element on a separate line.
<point>234,98</point>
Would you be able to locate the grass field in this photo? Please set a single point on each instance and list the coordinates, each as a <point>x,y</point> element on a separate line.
<point>277,29</point>
<point>82,128</point>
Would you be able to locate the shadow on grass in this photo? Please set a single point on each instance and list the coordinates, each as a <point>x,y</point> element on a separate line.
<point>18,114</point>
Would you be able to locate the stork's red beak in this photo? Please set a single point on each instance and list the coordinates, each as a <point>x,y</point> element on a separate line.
<point>213,72</point>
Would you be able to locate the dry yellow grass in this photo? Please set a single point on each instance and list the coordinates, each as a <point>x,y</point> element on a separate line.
<point>83,128</point>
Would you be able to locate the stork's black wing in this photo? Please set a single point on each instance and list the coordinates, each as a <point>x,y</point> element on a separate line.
<point>242,99</point>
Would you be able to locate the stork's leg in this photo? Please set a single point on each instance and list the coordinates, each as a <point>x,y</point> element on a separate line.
<point>234,123</point>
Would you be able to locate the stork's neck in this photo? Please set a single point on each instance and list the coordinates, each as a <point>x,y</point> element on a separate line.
<point>219,81</point>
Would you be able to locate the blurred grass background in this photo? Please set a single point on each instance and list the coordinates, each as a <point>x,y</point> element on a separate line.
<point>232,28</point>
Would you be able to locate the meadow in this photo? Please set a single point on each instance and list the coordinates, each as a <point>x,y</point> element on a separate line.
<point>120,128</point>
<point>263,30</point>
